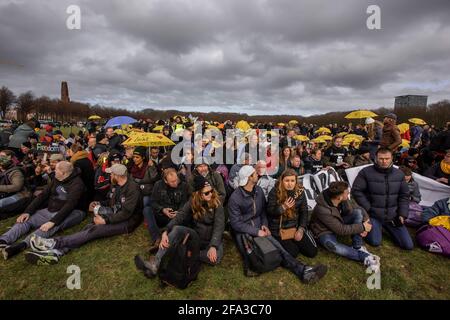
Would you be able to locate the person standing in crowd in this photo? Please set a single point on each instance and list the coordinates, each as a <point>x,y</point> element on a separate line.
<point>391,134</point>
<point>287,213</point>
<point>383,192</point>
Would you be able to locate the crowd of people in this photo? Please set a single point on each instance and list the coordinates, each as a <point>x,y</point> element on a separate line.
<point>52,182</point>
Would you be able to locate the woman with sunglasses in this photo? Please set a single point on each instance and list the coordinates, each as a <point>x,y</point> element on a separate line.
<point>203,215</point>
<point>287,214</point>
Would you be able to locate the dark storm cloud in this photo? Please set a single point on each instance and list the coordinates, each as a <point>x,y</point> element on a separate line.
<point>256,56</point>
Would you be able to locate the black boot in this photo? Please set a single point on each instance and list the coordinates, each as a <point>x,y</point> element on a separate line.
<point>313,274</point>
<point>13,250</point>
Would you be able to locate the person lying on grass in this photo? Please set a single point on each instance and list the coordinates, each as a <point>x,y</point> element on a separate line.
<point>203,215</point>
<point>335,216</point>
<point>121,214</point>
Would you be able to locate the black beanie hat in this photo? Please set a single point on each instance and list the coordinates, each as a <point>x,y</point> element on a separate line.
<point>200,182</point>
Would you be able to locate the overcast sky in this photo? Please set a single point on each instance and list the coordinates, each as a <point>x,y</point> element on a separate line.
<point>254,56</point>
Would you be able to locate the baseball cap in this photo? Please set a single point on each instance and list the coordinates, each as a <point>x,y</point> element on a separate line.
<point>244,173</point>
<point>118,169</point>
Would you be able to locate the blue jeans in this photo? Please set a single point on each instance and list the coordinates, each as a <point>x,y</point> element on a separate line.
<point>329,241</point>
<point>152,226</point>
<point>399,235</point>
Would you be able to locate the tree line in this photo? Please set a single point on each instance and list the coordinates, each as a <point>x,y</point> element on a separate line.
<point>54,109</point>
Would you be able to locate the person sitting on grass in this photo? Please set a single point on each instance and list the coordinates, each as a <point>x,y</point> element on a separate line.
<point>440,171</point>
<point>414,191</point>
<point>203,215</point>
<point>63,199</point>
<point>287,210</point>
<point>168,197</point>
<point>121,214</point>
<point>14,193</point>
<point>337,216</point>
<point>383,192</point>
<point>247,207</point>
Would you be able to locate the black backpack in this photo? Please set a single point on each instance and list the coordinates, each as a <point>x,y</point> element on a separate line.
<point>262,254</point>
<point>181,264</point>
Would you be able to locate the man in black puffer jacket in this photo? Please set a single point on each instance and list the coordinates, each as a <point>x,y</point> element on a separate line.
<point>383,192</point>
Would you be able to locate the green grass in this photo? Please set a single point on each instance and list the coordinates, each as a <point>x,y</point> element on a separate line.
<point>108,272</point>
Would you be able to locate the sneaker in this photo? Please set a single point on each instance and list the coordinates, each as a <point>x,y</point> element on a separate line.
<point>364,249</point>
<point>42,259</point>
<point>373,262</point>
<point>38,243</point>
<point>312,274</point>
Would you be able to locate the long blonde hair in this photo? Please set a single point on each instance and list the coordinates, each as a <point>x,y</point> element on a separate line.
<point>282,194</point>
<point>199,209</point>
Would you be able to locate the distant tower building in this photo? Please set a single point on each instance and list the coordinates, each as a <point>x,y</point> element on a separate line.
<point>410,102</point>
<point>64,92</point>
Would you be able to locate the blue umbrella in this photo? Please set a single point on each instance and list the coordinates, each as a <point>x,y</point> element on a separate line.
<point>118,121</point>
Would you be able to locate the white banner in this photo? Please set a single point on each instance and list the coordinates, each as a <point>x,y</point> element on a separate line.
<point>316,183</point>
<point>430,190</point>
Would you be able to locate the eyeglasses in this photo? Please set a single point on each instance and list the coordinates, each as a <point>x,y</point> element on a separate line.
<point>207,193</point>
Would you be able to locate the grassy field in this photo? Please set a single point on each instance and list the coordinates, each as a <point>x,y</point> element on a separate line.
<point>108,272</point>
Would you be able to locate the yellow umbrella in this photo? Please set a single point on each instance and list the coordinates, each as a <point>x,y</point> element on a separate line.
<point>319,140</point>
<point>360,114</point>
<point>281,124</point>
<point>323,130</point>
<point>243,125</point>
<point>403,127</point>
<point>122,132</point>
<point>293,122</point>
<point>148,140</point>
<point>417,121</point>
<point>341,134</point>
<point>300,137</point>
<point>325,137</point>
<point>94,117</point>
<point>353,137</point>
<point>405,143</point>
<point>158,128</point>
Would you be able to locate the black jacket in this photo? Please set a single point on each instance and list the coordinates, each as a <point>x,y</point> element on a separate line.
<point>435,172</point>
<point>164,196</point>
<point>115,144</point>
<point>81,161</point>
<point>209,228</point>
<point>274,212</point>
<point>334,155</point>
<point>61,196</point>
<point>312,165</point>
<point>99,149</point>
<point>383,193</point>
<point>125,203</point>
<point>214,178</point>
<point>150,178</point>
<point>326,218</point>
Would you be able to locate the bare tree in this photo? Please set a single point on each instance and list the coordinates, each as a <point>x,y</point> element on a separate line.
<point>7,98</point>
<point>25,103</point>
